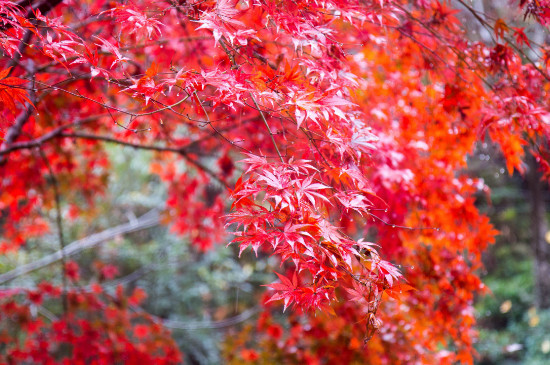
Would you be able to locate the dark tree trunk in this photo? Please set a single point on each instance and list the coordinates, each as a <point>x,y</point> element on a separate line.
<point>539,228</point>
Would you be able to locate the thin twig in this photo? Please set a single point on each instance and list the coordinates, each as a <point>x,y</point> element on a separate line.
<point>268,129</point>
<point>59,224</point>
<point>209,123</point>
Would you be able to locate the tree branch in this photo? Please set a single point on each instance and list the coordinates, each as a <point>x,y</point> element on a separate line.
<point>59,223</point>
<point>48,136</point>
<point>228,322</point>
<point>148,220</point>
<point>180,150</point>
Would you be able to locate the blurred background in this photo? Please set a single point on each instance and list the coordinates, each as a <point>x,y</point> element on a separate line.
<point>514,320</point>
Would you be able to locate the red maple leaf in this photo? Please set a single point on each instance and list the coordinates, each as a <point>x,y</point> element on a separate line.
<point>12,91</point>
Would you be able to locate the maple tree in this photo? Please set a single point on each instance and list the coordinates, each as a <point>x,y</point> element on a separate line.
<point>351,122</point>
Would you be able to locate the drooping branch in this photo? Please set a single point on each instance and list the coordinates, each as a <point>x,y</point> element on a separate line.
<point>181,150</point>
<point>57,133</point>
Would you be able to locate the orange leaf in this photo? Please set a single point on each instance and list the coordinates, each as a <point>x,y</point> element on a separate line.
<point>500,28</point>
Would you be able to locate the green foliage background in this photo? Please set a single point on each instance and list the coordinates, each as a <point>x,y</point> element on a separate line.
<point>512,330</point>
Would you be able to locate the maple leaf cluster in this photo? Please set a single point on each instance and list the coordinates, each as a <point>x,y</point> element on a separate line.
<point>338,128</point>
<point>99,329</point>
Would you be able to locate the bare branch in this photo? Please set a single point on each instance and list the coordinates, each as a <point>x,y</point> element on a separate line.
<point>228,322</point>
<point>59,224</point>
<point>48,136</point>
<point>179,150</point>
<point>148,220</point>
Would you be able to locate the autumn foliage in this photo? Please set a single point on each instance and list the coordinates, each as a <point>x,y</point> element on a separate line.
<point>339,129</point>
